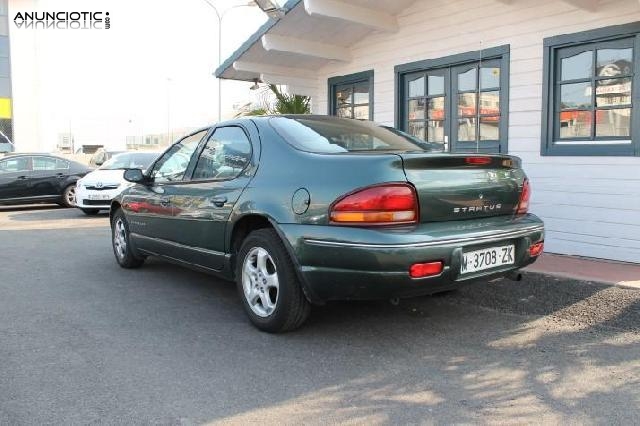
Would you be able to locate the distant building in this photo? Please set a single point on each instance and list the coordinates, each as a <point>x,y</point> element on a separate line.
<point>156,140</point>
<point>6,105</point>
<point>65,143</point>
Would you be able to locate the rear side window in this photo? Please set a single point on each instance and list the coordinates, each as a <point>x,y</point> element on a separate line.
<point>328,135</point>
<point>226,154</point>
<point>44,163</point>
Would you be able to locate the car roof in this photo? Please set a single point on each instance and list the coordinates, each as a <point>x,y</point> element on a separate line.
<point>30,154</point>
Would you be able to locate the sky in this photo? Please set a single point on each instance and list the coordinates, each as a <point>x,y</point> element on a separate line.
<point>152,70</point>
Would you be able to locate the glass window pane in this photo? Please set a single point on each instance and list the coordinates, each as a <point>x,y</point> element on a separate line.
<point>344,112</point>
<point>43,163</point>
<point>575,124</point>
<point>577,66</point>
<point>436,108</point>
<point>576,95</point>
<point>173,164</point>
<point>489,77</point>
<point>416,128</point>
<point>467,80</point>
<point>361,112</point>
<point>435,131</point>
<point>467,104</point>
<point>344,95</point>
<point>612,92</point>
<point>613,122</point>
<point>436,85</point>
<point>613,62</point>
<point>416,87</point>
<point>361,93</point>
<point>416,109</point>
<point>467,129</point>
<point>490,128</point>
<point>225,155</point>
<point>490,102</point>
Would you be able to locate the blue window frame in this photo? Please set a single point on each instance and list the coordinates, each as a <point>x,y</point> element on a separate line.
<point>457,103</point>
<point>590,86</point>
<point>351,96</point>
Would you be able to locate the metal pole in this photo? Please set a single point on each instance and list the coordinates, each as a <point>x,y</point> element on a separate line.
<point>220,16</point>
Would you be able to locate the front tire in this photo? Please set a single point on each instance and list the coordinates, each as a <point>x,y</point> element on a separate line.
<point>268,285</point>
<point>69,196</point>
<point>122,249</point>
<point>90,212</point>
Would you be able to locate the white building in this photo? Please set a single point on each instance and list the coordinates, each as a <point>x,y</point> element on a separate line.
<point>510,76</point>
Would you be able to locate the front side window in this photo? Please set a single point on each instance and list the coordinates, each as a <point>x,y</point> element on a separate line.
<point>173,164</point>
<point>351,96</point>
<point>12,165</point>
<point>588,104</point>
<point>226,154</point>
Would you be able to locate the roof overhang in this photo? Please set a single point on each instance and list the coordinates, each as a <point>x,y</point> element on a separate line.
<point>309,35</point>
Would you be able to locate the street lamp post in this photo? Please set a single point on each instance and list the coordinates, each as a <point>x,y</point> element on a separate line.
<point>220,16</point>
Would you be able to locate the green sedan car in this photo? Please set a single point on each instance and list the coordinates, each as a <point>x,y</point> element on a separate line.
<point>301,210</point>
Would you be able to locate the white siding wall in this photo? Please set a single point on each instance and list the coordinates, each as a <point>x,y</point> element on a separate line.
<point>591,205</point>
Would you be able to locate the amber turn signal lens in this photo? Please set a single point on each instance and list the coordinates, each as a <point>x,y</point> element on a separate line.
<point>421,270</point>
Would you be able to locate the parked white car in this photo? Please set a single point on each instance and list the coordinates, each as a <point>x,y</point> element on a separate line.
<point>95,191</point>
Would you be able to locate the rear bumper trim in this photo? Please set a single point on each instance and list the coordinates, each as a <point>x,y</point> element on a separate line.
<point>476,238</point>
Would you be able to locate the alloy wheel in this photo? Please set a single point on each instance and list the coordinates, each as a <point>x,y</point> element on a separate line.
<point>70,195</point>
<point>120,239</point>
<point>260,282</point>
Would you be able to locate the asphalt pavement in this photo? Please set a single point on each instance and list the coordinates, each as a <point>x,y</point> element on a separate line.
<point>84,341</point>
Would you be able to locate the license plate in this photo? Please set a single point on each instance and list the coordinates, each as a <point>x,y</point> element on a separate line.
<point>487,258</point>
<point>99,197</point>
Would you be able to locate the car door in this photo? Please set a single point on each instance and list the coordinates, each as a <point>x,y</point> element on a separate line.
<point>149,205</point>
<point>203,205</point>
<point>14,178</point>
<point>45,177</point>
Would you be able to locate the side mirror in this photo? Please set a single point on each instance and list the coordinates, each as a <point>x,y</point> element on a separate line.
<point>99,163</point>
<point>134,175</point>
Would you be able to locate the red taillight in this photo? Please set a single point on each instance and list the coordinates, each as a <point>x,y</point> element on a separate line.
<point>525,195</point>
<point>478,161</point>
<point>388,204</point>
<point>536,249</point>
<point>421,270</point>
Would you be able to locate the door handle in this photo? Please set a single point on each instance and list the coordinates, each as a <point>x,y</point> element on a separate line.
<point>23,177</point>
<point>164,202</point>
<point>59,175</point>
<point>219,201</point>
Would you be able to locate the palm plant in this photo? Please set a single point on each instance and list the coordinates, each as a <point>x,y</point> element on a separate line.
<point>284,103</point>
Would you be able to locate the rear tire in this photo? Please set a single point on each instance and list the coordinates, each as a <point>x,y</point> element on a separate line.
<point>69,196</point>
<point>122,249</point>
<point>90,212</point>
<point>268,285</point>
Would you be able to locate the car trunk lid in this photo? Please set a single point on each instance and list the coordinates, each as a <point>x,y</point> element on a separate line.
<point>456,187</point>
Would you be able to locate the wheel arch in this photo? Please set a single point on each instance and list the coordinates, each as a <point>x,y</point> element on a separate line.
<point>115,205</point>
<point>254,221</point>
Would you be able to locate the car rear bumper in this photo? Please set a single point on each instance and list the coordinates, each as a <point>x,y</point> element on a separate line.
<point>338,263</point>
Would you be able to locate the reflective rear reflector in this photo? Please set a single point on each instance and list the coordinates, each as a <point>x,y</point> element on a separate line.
<point>536,249</point>
<point>421,270</point>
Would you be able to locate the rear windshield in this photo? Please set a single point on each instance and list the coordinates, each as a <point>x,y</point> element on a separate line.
<point>330,135</point>
<point>138,160</point>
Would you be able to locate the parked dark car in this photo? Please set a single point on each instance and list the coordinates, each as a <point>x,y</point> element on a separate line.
<point>39,178</point>
<point>300,210</point>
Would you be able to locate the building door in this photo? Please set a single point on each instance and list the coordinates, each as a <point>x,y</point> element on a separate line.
<point>457,107</point>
